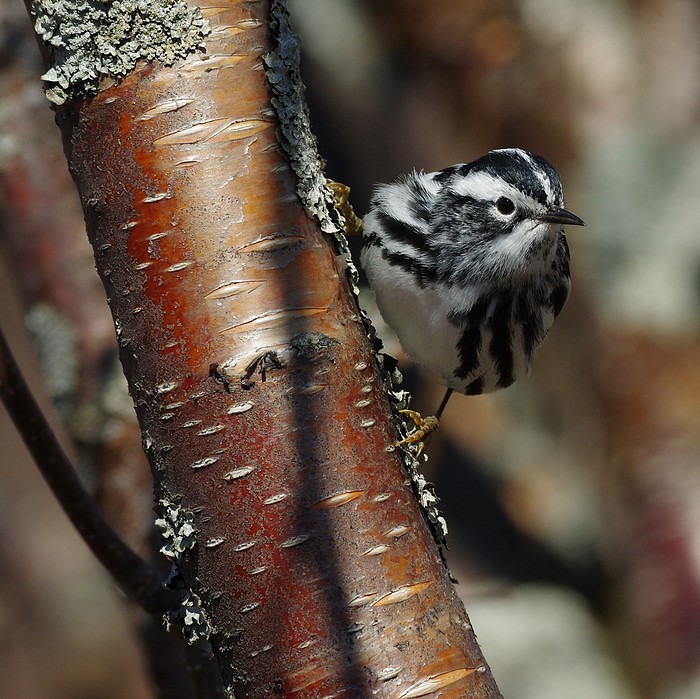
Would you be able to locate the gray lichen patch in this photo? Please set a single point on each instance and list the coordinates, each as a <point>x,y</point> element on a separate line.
<point>428,500</point>
<point>93,39</point>
<point>192,620</point>
<point>298,141</point>
<point>177,529</point>
<point>310,345</point>
<point>179,536</point>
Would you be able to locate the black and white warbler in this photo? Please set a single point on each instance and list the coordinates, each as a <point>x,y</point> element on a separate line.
<point>470,267</point>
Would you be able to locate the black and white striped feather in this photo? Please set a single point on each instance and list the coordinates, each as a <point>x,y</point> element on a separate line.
<point>470,265</point>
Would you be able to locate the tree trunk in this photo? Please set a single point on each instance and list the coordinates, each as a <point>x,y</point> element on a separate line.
<point>265,414</point>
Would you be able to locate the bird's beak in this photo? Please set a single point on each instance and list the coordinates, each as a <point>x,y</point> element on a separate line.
<point>558,215</point>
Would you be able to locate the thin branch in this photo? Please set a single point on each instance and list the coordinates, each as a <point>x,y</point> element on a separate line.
<point>137,578</point>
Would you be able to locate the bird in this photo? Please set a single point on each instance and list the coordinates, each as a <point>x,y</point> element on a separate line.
<point>470,266</point>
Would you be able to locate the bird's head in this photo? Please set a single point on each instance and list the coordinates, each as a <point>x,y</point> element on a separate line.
<point>507,213</point>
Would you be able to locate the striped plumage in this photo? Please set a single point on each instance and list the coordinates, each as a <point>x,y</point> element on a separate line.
<point>470,265</point>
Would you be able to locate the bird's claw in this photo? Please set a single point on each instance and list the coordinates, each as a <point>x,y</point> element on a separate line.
<point>424,427</point>
<point>341,192</point>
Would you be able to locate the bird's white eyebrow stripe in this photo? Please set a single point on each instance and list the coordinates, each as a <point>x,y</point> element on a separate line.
<point>485,187</point>
<point>526,157</point>
<point>544,180</point>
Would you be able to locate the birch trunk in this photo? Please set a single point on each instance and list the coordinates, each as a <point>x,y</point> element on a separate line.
<point>265,415</point>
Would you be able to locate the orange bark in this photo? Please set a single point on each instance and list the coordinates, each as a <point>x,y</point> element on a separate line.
<point>264,412</point>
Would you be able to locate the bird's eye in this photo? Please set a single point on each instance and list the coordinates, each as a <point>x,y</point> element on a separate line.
<point>505,206</point>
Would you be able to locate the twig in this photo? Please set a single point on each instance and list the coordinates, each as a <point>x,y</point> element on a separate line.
<point>136,577</point>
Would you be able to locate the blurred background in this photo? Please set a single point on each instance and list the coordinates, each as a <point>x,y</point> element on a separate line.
<point>573,499</point>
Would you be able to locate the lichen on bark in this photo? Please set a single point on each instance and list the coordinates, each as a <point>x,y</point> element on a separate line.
<point>298,141</point>
<point>178,531</point>
<point>93,39</point>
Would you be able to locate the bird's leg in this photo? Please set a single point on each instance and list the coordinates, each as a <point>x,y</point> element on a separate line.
<point>424,425</point>
<point>353,223</point>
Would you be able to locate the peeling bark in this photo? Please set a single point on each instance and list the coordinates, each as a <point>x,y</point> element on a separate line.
<point>263,410</point>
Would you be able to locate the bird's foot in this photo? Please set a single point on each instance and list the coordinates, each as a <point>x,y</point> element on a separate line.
<point>341,192</point>
<point>424,427</point>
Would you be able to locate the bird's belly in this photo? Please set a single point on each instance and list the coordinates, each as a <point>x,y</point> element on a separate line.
<point>424,332</point>
<point>418,316</point>
<point>469,362</point>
